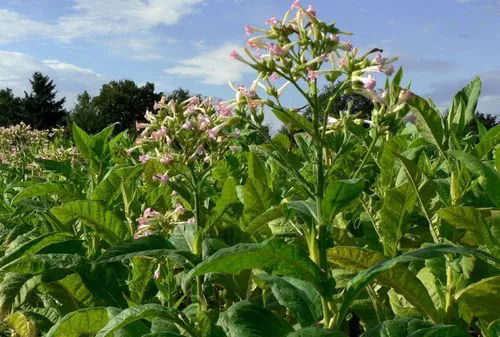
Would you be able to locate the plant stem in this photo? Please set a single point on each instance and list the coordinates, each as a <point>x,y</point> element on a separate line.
<point>367,154</point>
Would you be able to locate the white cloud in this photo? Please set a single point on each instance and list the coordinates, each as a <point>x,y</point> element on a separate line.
<point>212,66</point>
<point>16,69</point>
<point>97,18</point>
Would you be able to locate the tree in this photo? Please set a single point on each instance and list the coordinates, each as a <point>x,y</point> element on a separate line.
<point>40,108</point>
<point>86,115</point>
<point>488,121</point>
<point>10,108</point>
<point>124,102</point>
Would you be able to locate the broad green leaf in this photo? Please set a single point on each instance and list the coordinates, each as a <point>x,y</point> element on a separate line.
<point>398,203</point>
<point>33,246</point>
<point>387,160</point>
<point>463,107</point>
<point>39,263</point>
<point>489,180</point>
<point>434,287</point>
<point>152,245</point>
<point>316,332</point>
<point>228,197</point>
<point>67,192</point>
<point>397,277</point>
<point>82,141</point>
<point>292,298</point>
<point>10,289</point>
<point>480,299</point>
<point>256,168</point>
<point>339,194</point>
<point>94,213</point>
<point>257,198</point>
<point>411,327</point>
<point>273,256</point>
<point>109,188</point>
<point>86,321</point>
<point>490,140</point>
<point>429,121</point>
<point>62,168</point>
<point>271,214</point>
<point>147,311</point>
<point>21,324</point>
<point>244,319</point>
<point>363,278</point>
<point>72,288</point>
<point>141,273</point>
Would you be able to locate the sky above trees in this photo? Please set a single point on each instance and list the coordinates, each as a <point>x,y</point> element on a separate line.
<point>83,44</point>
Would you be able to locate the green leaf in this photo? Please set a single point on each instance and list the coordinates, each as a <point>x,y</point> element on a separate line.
<point>228,197</point>
<point>33,246</point>
<point>490,140</point>
<point>398,203</point>
<point>152,245</point>
<point>429,121</point>
<point>463,107</point>
<point>94,213</point>
<point>140,277</point>
<point>257,198</point>
<point>72,288</point>
<point>397,277</point>
<point>86,321</point>
<point>273,256</point>
<point>82,141</point>
<point>109,188</point>
<point>67,192</point>
<point>411,327</point>
<point>21,324</point>
<point>14,290</point>
<point>62,168</point>
<point>480,299</point>
<point>39,263</point>
<point>316,332</point>
<point>293,298</point>
<point>256,168</point>
<point>243,319</point>
<point>339,194</point>
<point>293,119</point>
<point>271,214</point>
<point>490,179</point>
<point>358,283</point>
<point>147,311</point>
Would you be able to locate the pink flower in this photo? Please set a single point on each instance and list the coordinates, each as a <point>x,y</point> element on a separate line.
<point>200,150</point>
<point>190,108</point>
<point>167,159</point>
<point>203,126</point>
<point>179,209</point>
<point>405,95</point>
<point>235,56</point>
<point>13,150</point>
<point>342,63</point>
<point>155,178</point>
<point>212,133</point>
<point>379,59</point>
<point>249,29</point>
<point>369,82</point>
<point>311,10</point>
<point>156,275</point>
<point>274,76</point>
<point>225,111</point>
<point>139,126</point>
<point>164,179</point>
<point>275,50</point>
<point>331,120</point>
<point>191,220</point>
<point>144,158</point>
<point>163,99</point>
<point>347,46</point>
<point>312,75</point>
<point>187,126</point>
<point>388,70</point>
<point>272,21</point>
<point>236,133</point>
<point>295,4</point>
<point>334,38</point>
<point>168,140</point>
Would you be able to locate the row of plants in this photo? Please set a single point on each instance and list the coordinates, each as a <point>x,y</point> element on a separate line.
<point>206,226</point>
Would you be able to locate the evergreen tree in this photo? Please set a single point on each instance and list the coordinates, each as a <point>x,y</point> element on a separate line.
<point>86,114</point>
<point>40,108</point>
<point>10,108</point>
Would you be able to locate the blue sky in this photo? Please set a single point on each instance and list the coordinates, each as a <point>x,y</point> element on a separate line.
<point>82,44</point>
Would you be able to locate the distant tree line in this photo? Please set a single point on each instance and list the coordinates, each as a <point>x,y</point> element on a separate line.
<point>122,102</point>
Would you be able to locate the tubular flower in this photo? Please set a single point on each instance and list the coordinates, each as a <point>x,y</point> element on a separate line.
<point>405,95</point>
<point>144,158</point>
<point>311,10</point>
<point>369,82</point>
<point>167,159</point>
<point>272,21</point>
<point>156,274</point>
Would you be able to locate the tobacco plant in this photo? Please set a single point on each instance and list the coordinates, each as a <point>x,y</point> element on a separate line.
<point>207,226</point>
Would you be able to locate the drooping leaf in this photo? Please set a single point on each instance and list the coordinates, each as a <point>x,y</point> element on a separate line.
<point>339,194</point>
<point>86,321</point>
<point>271,214</point>
<point>257,198</point>
<point>293,119</point>
<point>71,287</point>
<point>480,299</point>
<point>273,256</point>
<point>244,319</point>
<point>39,263</point>
<point>65,191</point>
<point>140,277</point>
<point>397,277</point>
<point>22,325</point>
<point>359,282</point>
<point>406,327</point>
<point>292,298</point>
<point>10,290</point>
<point>33,246</point>
<point>94,213</point>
